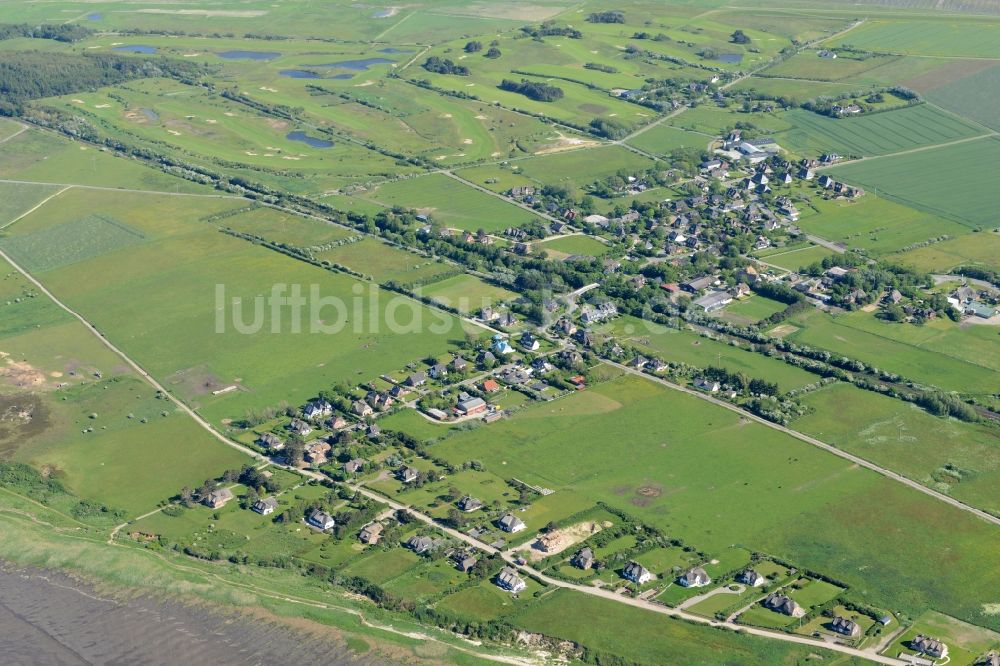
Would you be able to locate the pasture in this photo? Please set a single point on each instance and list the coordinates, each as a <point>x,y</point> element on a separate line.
<point>582,166</point>
<point>981,249</point>
<point>795,90</point>
<point>876,224</point>
<point>938,353</point>
<point>663,139</point>
<point>808,65</point>
<point>467,293</point>
<point>872,134</point>
<point>935,180</point>
<point>797,258</point>
<point>178,266</point>
<point>451,203</point>
<point>953,457</point>
<point>751,310</point>
<point>384,263</point>
<point>16,199</point>
<point>713,479</point>
<point>280,227</point>
<point>685,346</point>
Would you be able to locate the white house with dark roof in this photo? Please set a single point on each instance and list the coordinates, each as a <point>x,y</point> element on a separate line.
<point>637,573</point>
<point>321,520</point>
<point>694,577</point>
<point>266,506</point>
<point>511,523</point>
<point>508,580</point>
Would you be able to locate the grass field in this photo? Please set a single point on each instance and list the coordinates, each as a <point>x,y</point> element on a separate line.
<point>874,134</point>
<point>965,642</point>
<point>452,203</point>
<point>178,266</point>
<point>688,347</point>
<point>281,227</point>
<point>16,199</point>
<point>982,249</point>
<point>713,479</point>
<point>664,138</point>
<point>795,90</point>
<point>751,310</point>
<point>957,37</point>
<point>579,167</point>
<point>383,263</point>
<point>948,455</point>
<point>798,258</point>
<point>876,224</point>
<point>572,245</point>
<point>48,158</point>
<point>939,353</point>
<point>650,637</point>
<point>467,293</point>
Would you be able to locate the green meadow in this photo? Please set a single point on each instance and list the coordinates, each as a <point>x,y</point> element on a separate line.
<point>178,266</point>
<point>982,249</point>
<point>467,293</point>
<point>713,479</point>
<point>452,203</point>
<point>960,459</point>
<point>958,37</point>
<point>383,262</point>
<point>873,134</point>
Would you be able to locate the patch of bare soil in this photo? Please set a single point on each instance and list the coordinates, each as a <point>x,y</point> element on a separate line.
<point>21,418</point>
<point>644,495</point>
<point>559,540</point>
<point>20,373</point>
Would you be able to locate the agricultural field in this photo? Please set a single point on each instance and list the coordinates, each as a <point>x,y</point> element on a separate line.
<point>177,257</point>
<point>807,65</point>
<point>956,193</point>
<point>743,496</point>
<point>972,94</point>
<point>874,134</point>
<point>663,139</point>
<point>953,457</point>
<point>16,199</point>
<point>451,203</point>
<point>961,37</point>
<point>579,167</point>
<point>795,90</point>
<point>278,226</point>
<point>797,258</point>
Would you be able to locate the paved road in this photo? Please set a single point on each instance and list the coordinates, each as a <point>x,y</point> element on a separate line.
<point>819,444</point>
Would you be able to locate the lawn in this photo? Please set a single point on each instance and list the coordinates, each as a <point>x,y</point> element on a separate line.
<point>935,180</point>
<point>466,293</point>
<point>799,258</point>
<point>953,457</point>
<point>813,592</point>
<point>178,266</point>
<point>560,248</point>
<point>452,203</point>
<point>965,642</point>
<point>762,490</point>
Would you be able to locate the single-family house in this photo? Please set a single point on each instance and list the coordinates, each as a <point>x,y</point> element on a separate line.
<point>321,520</point>
<point>318,409</point>
<point>354,466</point>
<point>698,284</point>
<point>417,379</point>
<point>708,385</point>
<point>271,442</point>
<point>299,426</point>
<point>371,533</point>
<point>846,627</point>
<point>750,577</point>
<point>218,498</point>
<point>469,504</point>
<point>929,646</point>
<point>362,408</point>
<point>637,573</point>
<point>694,577</point>
<point>779,603</point>
<point>438,371</point>
<point>491,386</point>
<point>508,580</point>
<point>407,474</point>
<point>528,341</point>
<point>420,544</point>
<point>316,452</point>
<point>266,506</point>
<point>583,559</point>
<point>511,523</point>
<point>464,561</point>
<point>459,364</point>
<point>501,346</point>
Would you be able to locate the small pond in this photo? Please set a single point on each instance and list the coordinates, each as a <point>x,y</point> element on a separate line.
<point>730,57</point>
<point>135,48</point>
<point>96,16</point>
<point>357,65</point>
<point>310,140</point>
<point>248,55</point>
